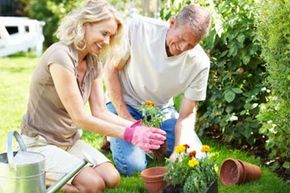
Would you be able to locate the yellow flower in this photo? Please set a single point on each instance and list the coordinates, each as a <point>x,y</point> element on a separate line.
<point>193,162</point>
<point>180,148</point>
<point>205,148</point>
<point>149,103</point>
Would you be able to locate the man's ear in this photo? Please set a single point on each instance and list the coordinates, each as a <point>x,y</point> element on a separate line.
<point>172,22</point>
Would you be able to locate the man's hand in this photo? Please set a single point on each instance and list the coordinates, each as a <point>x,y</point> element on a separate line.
<point>144,137</point>
<point>173,156</point>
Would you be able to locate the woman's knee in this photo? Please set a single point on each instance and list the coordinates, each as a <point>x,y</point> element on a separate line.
<point>114,180</point>
<point>109,174</point>
<point>88,181</point>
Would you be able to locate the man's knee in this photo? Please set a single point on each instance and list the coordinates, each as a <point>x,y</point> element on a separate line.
<point>131,166</point>
<point>128,158</point>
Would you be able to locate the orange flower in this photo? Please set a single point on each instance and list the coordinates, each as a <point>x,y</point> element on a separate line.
<point>186,146</point>
<point>192,153</point>
<point>149,103</point>
<point>205,148</point>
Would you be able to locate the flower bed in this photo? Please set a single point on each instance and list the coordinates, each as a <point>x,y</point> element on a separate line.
<point>187,174</point>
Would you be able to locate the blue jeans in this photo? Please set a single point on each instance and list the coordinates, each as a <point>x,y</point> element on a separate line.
<point>130,158</point>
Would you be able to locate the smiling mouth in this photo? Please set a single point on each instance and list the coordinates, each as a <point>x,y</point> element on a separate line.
<point>99,45</point>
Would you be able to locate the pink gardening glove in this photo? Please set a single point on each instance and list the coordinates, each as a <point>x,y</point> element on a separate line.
<point>144,137</point>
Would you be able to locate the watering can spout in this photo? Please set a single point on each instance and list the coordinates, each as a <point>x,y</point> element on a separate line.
<point>64,179</point>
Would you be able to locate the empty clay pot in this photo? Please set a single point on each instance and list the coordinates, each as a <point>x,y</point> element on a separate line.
<point>153,179</point>
<point>234,171</point>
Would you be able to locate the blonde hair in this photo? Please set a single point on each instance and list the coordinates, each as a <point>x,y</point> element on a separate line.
<point>71,30</point>
<point>197,17</point>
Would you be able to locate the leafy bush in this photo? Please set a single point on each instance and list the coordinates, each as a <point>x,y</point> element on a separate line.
<point>274,30</point>
<point>235,88</point>
<point>171,8</point>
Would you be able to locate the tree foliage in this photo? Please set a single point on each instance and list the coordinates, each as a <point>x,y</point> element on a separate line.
<point>235,88</point>
<point>51,12</point>
<point>274,31</point>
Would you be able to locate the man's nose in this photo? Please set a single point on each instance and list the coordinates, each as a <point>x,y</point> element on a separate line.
<point>183,46</point>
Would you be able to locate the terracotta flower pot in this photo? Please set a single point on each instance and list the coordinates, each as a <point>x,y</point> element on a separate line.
<point>153,179</point>
<point>234,171</point>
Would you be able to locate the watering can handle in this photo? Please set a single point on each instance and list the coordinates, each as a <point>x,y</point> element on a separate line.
<point>21,144</point>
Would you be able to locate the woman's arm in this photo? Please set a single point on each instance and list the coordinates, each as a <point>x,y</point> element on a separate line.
<point>68,91</point>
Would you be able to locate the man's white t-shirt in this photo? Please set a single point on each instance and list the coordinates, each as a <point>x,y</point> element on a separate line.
<point>150,74</point>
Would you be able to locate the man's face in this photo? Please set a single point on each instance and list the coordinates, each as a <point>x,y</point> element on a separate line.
<point>180,38</point>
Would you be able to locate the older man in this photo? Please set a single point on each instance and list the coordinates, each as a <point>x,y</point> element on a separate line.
<point>162,61</point>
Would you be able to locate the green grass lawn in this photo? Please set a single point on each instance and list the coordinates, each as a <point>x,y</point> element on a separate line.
<point>15,73</point>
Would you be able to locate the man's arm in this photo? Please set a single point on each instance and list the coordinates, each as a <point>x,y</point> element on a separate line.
<point>184,128</point>
<point>114,89</point>
<point>98,106</point>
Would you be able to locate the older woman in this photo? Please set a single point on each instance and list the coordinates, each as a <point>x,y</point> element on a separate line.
<point>67,76</point>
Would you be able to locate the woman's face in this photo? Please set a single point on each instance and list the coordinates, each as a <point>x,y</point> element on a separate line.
<point>98,35</point>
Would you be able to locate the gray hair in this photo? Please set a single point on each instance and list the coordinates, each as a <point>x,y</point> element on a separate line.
<point>197,17</point>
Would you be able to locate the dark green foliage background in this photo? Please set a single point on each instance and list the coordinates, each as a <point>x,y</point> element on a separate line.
<point>274,30</point>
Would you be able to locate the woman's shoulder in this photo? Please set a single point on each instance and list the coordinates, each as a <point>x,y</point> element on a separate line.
<point>60,47</point>
<point>60,53</point>
<point>60,50</point>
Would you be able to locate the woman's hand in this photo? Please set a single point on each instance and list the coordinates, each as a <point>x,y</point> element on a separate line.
<point>144,137</point>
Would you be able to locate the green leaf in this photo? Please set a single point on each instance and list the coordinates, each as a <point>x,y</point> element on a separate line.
<point>246,59</point>
<point>241,38</point>
<point>230,96</point>
<point>237,90</point>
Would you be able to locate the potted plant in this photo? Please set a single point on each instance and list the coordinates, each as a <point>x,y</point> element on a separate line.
<point>190,175</point>
<point>152,116</point>
<point>153,177</point>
